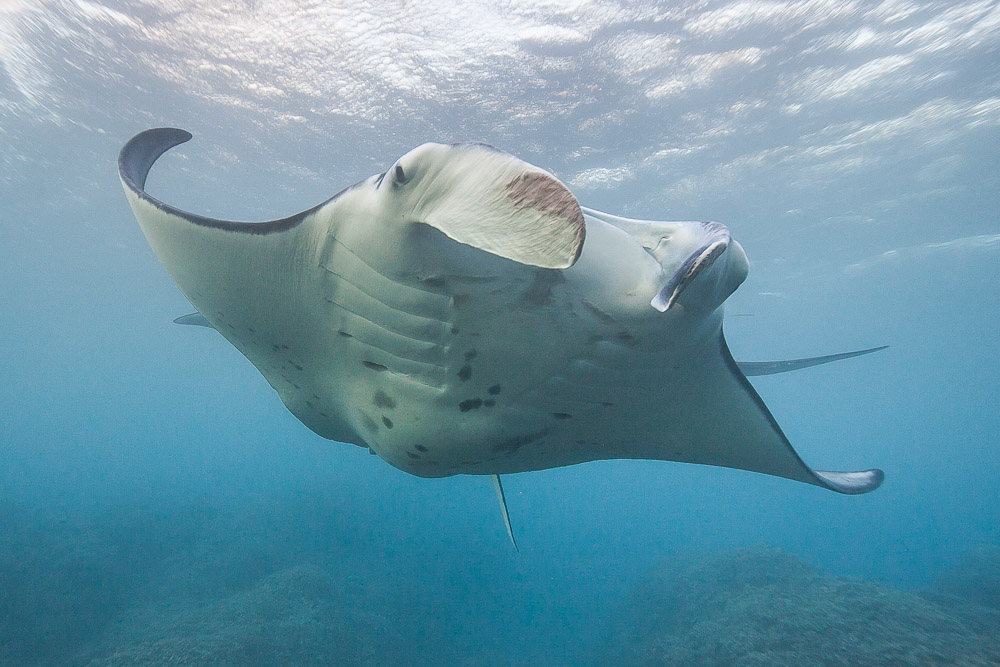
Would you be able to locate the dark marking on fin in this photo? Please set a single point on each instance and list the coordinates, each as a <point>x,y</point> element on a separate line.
<point>141,151</point>
<point>371,365</point>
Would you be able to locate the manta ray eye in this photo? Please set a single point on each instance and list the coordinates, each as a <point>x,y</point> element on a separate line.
<point>399,177</point>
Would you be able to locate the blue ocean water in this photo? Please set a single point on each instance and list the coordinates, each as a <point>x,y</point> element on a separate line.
<point>158,503</point>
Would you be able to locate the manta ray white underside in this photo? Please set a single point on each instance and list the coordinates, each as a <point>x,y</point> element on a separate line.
<point>461,313</point>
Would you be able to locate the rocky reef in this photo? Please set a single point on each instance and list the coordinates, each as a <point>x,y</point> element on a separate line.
<point>761,606</point>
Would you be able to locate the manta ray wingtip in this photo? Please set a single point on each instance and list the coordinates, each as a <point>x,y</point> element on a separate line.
<point>851,483</point>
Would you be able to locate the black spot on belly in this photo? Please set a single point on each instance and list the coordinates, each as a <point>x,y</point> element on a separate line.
<point>412,455</point>
<point>470,355</point>
<point>383,400</point>
<point>454,331</point>
<point>297,367</point>
<point>494,390</point>
<point>387,422</point>
<point>420,448</point>
<point>461,300</point>
<point>369,423</point>
<point>489,403</point>
<point>465,373</point>
<point>470,404</point>
<point>561,415</point>
<point>373,366</point>
<point>274,348</point>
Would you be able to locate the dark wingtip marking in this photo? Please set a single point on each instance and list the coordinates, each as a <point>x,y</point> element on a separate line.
<point>494,390</point>
<point>141,151</point>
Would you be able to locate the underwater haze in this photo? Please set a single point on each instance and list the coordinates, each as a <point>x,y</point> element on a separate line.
<point>159,505</point>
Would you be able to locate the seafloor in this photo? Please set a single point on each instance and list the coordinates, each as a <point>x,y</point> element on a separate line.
<point>271,582</point>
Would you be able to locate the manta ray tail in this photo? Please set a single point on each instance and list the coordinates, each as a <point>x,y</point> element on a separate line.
<point>503,508</point>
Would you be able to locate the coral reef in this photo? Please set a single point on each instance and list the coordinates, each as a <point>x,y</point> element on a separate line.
<point>295,616</point>
<point>295,579</point>
<point>764,607</point>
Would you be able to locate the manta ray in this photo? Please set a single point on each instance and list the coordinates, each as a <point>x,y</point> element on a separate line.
<point>462,313</point>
